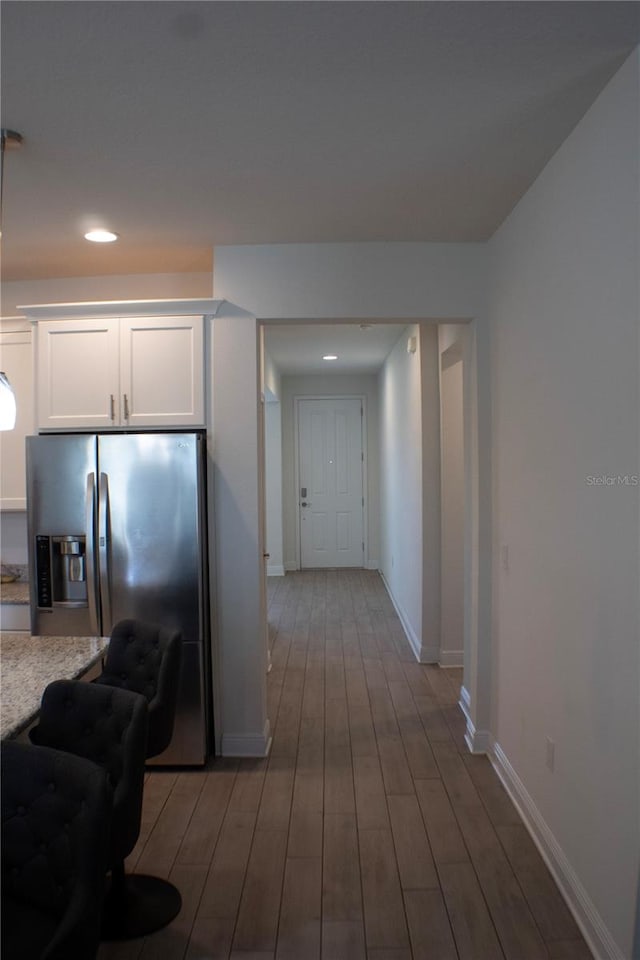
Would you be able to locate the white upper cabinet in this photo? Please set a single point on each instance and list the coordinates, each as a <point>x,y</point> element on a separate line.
<point>120,372</point>
<point>78,374</point>
<point>162,371</point>
<point>16,361</point>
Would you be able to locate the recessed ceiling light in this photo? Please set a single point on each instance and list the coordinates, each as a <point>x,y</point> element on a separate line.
<point>330,356</point>
<point>101,236</point>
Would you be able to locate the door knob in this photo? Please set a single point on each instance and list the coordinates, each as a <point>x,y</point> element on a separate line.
<point>305,503</point>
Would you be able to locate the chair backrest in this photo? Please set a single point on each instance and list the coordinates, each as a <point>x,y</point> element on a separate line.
<point>56,810</point>
<point>146,657</point>
<point>108,726</point>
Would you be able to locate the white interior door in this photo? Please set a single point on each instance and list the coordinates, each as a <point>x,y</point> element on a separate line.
<point>330,492</point>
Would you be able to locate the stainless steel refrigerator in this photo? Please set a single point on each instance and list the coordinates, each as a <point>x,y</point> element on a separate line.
<point>117,528</point>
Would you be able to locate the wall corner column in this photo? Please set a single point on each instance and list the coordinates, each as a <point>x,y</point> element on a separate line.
<point>237,564</point>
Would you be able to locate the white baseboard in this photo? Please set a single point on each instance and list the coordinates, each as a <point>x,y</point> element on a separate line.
<point>429,655</point>
<point>275,570</point>
<point>451,658</point>
<point>414,643</point>
<point>478,741</point>
<point>584,911</point>
<point>290,565</point>
<point>247,744</point>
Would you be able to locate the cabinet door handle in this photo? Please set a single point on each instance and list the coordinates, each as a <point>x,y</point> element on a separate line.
<point>112,406</point>
<point>126,406</point>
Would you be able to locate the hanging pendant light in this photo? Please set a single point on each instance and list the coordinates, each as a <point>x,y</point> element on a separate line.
<point>8,138</point>
<point>7,404</point>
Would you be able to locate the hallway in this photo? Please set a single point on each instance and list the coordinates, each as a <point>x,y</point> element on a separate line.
<point>369,832</point>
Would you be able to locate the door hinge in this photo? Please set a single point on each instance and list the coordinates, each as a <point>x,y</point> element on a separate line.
<point>363,501</point>
<point>362,456</point>
<point>363,546</point>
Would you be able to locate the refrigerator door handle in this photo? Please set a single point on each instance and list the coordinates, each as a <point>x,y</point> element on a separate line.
<point>103,552</point>
<point>90,524</point>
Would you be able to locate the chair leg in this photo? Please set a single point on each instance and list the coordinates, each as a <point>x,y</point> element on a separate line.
<point>136,905</point>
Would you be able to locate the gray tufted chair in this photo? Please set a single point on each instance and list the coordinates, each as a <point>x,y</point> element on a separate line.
<point>146,657</point>
<point>108,726</point>
<point>55,830</point>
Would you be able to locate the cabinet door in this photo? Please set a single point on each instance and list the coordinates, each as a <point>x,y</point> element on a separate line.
<point>17,363</point>
<point>161,371</point>
<point>77,383</point>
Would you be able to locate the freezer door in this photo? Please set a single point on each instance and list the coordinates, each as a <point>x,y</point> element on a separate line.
<point>189,742</point>
<point>61,505</point>
<point>151,548</point>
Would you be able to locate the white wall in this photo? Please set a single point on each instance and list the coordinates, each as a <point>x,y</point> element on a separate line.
<point>353,280</point>
<point>431,511</point>
<point>410,486</point>
<point>13,537</point>
<point>272,390</point>
<point>273,486</point>
<point>401,483</point>
<point>460,340</point>
<point>564,312</point>
<point>403,281</point>
<point>271,378</point>
<point>452,506</point>
<point>327,385</point>
<point>241,650</point>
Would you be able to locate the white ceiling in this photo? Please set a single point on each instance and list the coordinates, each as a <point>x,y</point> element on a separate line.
<point>360,348</point>
<point>186,125</point>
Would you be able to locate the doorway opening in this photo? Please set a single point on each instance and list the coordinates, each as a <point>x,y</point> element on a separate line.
<point>418,483</point>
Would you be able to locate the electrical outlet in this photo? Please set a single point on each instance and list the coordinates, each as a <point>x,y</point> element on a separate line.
<point>551,754</point>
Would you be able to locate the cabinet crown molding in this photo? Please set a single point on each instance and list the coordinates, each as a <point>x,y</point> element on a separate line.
<point>120,308</point>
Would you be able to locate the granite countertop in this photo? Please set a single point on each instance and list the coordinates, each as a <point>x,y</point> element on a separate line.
<point>29,664</point>
<point>15,592</point>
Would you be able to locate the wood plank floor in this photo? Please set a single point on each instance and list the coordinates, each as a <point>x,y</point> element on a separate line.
<point>370,832</point>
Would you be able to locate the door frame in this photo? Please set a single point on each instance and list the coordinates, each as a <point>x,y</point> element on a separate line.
<point>365,454</point>
<point>262,500</point>
<point>477,695</point>
<point>454,353</point>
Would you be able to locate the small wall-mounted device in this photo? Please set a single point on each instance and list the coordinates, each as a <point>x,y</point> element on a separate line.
<point>412,344</point>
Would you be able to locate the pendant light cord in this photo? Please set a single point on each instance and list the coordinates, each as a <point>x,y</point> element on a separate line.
<point>2,138</point>
<point>14,139</point>
<point>7,395</point>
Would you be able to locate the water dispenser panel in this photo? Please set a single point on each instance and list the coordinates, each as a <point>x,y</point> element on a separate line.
<point>69,570</point>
